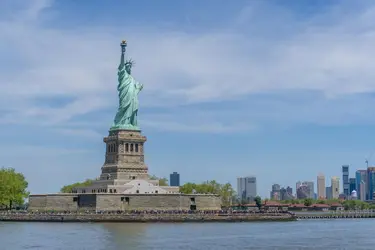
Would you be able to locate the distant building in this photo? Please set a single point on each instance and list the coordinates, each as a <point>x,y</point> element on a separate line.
<point>362,188</point>
<point>286,193</point>
<point>247,188</point>
<point>275,192</point>
<point>345,179</point>
<point>353,195</point>
<point>174,179</point>
<point>335,186</point>
<point>370,183</point>
<point>289,190</point>
<point>343,196</point>
<point>352,185</point>
<point>329,193</point>
<point>310,184</point>
<point>321,186</point>
<point>298,184</point>
<point>303,192</point>
<point>361,184</point>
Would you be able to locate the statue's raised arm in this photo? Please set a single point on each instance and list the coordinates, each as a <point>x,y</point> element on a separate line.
<point>128,90</point>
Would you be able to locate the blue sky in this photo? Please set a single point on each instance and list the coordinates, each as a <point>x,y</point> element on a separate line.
<point>282,90</point>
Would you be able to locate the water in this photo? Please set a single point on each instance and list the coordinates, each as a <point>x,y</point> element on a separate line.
<point>309,234</point>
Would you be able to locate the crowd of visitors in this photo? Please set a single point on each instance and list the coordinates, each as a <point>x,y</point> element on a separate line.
<point>140,212</point>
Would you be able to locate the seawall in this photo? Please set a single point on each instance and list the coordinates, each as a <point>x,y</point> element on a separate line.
<point>28,217</point>
<point>342,215</point>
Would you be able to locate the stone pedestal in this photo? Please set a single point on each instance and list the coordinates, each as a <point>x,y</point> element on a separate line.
<point>124,157</point>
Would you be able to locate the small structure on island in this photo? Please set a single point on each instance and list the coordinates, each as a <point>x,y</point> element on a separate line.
<point>353,195</point>
<point>124,182</point>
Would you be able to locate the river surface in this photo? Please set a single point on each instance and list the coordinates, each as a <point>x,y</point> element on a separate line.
<point>305,234</point>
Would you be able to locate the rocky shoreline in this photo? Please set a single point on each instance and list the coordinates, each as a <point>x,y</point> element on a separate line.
<point>143,218</point>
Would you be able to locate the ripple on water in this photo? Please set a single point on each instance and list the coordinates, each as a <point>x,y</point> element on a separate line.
<point>314,234</point>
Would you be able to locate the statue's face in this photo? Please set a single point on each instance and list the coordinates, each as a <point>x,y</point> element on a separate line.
<point>128,69</point>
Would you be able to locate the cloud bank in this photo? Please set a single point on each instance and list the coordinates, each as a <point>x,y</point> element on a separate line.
<point>240,77</point>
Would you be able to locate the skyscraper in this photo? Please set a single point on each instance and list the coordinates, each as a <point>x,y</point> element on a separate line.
<point>362,188</point>
<point>286,193</point>
<point>174,179</point>
<point>275,192</point>
<point>289,190</point>
<point>361,182</point>
<point>298,184</point>
<point>247,188</point>
<point>345,180</point>
<point>321,182</point>
<point>370,183</point>
<point>352,185</point>
<point>303,192</point>
<point>335,186</point>
<point>329,193</point>
<point>310,185</point>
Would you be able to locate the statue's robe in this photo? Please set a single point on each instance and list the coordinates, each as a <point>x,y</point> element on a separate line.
<point>128,90</point>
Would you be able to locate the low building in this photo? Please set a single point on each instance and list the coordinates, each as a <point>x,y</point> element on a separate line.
<point>320,207</point>
<point>275,206</point>
<point>337,207</point>
<point>297,207</point>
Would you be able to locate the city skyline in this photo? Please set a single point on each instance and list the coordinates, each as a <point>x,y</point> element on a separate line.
<point>300,88</point>
<point>359,186</point>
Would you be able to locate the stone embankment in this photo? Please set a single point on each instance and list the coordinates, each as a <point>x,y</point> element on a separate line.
<point>40,217</point>
<point>345,215</point>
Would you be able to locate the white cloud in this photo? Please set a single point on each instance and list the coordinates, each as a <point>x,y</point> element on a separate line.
<point>39,152</point>
<point>87,132</point>
<point>327,54</point>
<point>205,127</point>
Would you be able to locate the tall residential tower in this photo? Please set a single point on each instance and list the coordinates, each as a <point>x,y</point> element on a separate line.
<point>345,180</point>
<point>361,184</point>
<point>174,179</point>
<point>247,188</point>
<point>335,186</point>
<point>321,182</point>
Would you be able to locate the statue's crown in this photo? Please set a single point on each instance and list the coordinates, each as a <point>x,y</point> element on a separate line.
<point>129,63</point>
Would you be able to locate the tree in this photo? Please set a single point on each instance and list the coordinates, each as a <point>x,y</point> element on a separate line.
<point>355,204</point>
<point>227,194</point>
<point>225,191</point>
<point>365,205</point>
<point>187,188</point>
<point>258,202</point>
<point>308,202</point>
<point>162,181</point>
<point>153,177</point>
<point>69,188</point>
<point>13,188</point>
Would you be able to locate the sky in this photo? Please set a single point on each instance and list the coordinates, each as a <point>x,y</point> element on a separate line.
<point>283,90</point>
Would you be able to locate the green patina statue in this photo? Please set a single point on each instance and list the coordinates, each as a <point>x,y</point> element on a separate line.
<point>128,90</point>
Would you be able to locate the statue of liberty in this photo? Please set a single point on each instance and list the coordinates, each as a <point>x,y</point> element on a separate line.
<point>128,90</point>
